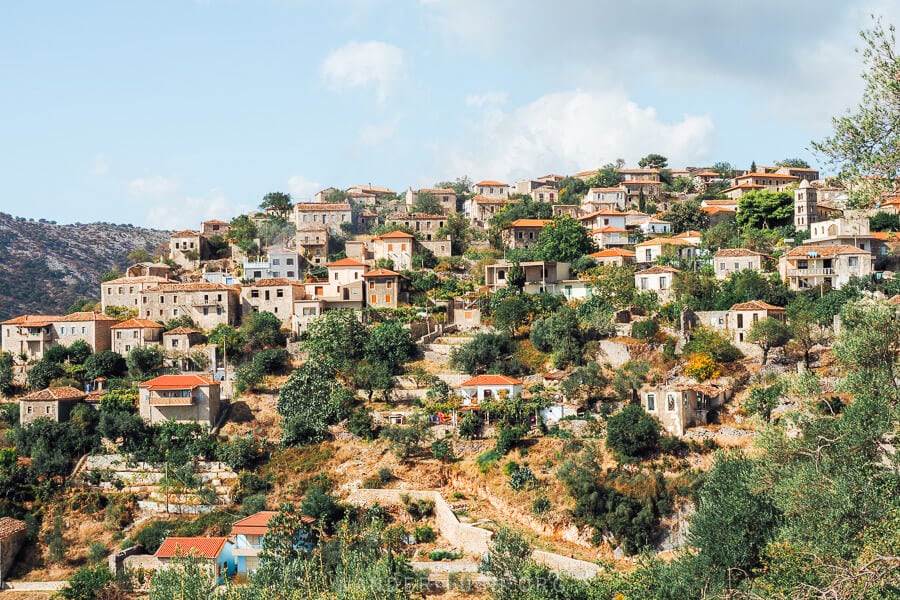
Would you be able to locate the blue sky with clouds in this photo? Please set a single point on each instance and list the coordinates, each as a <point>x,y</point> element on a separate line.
<point>166,112</point>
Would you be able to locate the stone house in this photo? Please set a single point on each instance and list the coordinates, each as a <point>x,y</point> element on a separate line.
<point>464,312</point>
<point>731,260</point>
<point>540,276</point>
<point>678,407</point>
<point>13,533</point>
<point>276,296</point>
<point>396,246</point>
<point>649,251</point>
<point>214,552</point>
<point>479,209</point>
<point>657,279</point>
<point>207,304</point>
<point>775,182</point>
<point>312,243</point>
<point>650,225</point>
<point>807,267</point>
<point>639,175</point>
<point>186,248</point>
<point>135,333</point>
<point>32,335</point>
<point>740,318</point>
<point>635,188</point>
<point>491,189</point>
<point>50,403</point>
<point>331,216</point>
<point>215,227</point>
<point>737,192</point>
<point>125,292</point>
<point>248,534</point>
<point>523,233</point>
<point>492,387</point>
<point>730,204</point>
<point>181,398</point>
<point>147,269</point>
<point>183,344</point>
<point>385,289</point>
<point>842,231</point>
<point>372,190</point>
<point>613,257</point>
<point>718,214</point>
<point>540,190</point>
<point>446,197</point>
<point>425,225</point>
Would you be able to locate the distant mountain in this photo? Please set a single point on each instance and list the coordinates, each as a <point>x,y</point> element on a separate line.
<point>45,268</point>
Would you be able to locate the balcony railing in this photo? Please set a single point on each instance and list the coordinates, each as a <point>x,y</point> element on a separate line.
<point>810,272</point>
<point>168,401</point>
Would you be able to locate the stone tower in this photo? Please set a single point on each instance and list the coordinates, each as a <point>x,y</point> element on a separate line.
<point>806,210</point>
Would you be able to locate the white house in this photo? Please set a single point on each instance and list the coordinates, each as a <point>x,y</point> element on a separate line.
<point>491,387</point>
<point>656,279</point>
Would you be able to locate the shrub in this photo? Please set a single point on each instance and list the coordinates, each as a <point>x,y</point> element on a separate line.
<point>486,460</point>
<point>385,475</point>
<point>444,555</point>
<point>670,444</point>
<point>508,436</point>
<point>701,367</point>
<point>442,451</point>
<point>712,343</point>
<point>541,505</point>
<point>632,433</point>
<point>470,426</point>
<point>418,509</point>
<point>645,330</point>
<point>362,424</point>
<point>522,478</point>
<point>424,534</point>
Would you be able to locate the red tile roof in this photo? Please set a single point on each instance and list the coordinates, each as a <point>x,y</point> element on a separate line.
<point>345,262</point>
<point>823,251</point>
<point>394,235</point>
<point>33,320</point>
<point>206,547</point>
<point>657,270</point>
<point>612,252</point>
<point>186,233</point>
<point>138,324</point>
<point>712,210</point>
<point>757,305</point>
<point>271,282</point>
<point>381,273</point>
<point>79,317</point>
<point>314,206</point>
<point>769,175</point>
<point>530,222</point>
<point>258,524</point>
<point>491,380</point>
<point>193,287</point>
<point>664,242</point>
<point>177,382</point>
<point>140,279</point>
<point>736,252</point>
<point>56,393</point>
<point>609,229</point>
<point>490,182</point>
<point>181,331</point>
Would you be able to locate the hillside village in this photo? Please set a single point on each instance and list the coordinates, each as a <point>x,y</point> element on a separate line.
<point>562,354</point>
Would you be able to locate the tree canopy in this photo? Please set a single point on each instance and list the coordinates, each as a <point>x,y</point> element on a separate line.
<point>764,209</point>
<point>653,161</point>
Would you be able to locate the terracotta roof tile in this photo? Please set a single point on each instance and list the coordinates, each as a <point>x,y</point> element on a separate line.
<point>823,251</point>
<point>657,270</point>
<point>609,229</point>
<point>177,382</point>
<point>315,206</point>
<point>193,287</point>
<point>664,242</point>
<point>736,252</point>
<point>491,380</point>
<point>611,252</point>
<point>207,547</point>
<point>491,182</point>
<point>757,305</point>
<point>181,331</point>
<point>140,279</point>
<point>33,320</point>
<point>394,235</point>
<point>381,273</point>
<point>57,393</point>
<point>138,324</point>
<point>345,262</point>
<point>271,282</point>
<point>78,317</point>
<point>530,222</point>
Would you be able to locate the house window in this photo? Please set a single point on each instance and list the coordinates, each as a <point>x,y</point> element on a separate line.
<point>134,334</point>
<point>648,255</point>
<point>254,293</point>
<point>290,273</point>
<point>62,331</point>
<point>670,402</point>
<point>279,293</point>
<point>755,317</point>
<point>737,266</point>
<point>853,261</point>
<point>118,335</point>
<point>29,410</point>
<point>390,284</point>
<point>721,266</point>
<point>373,299</point>
<point>174,343</point>
<point>643,283</point>
<point>48,409</point>
<point>219,297</point>
<point>651,402</point>
<point>276,261</point>
<point>387,299</point>
<point>501,274</point>
<point>371,285</point>
<point>390,247</point>
<point>740,320</point>
<point>289,261</point>
<point>662,283</point>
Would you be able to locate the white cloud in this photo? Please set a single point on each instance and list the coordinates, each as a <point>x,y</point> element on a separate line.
<point>486,99</point>
<point>371,135</point>
<point>363,64</point>
<point>302,188</point>
<point>573,131</point>
<point>152,187</point>
<point>187,212</point>
<point>100,166</point>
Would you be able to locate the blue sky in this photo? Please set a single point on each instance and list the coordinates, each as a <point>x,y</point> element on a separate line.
<point>162,113</point>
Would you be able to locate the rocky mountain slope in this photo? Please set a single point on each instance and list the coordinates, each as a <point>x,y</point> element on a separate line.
<point>45,267</point>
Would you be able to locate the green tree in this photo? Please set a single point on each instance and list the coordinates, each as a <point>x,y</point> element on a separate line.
<point>7,384</point>
<point>560,333</point>
<point>105,363</point>
<point>262,330</point>
<point>882,221</point>
<point>792,163</point>
<point>41,373</point>
<point>113,273</point>
<point>227,340</point>
<point>572,190</point>
<point>374,376</point>
<point>724,169</point>
<point>516,278</point>
<point>653,161</point>
<point>186,578</point>
<point>390,344</point>
<point>629,378</point>
<point>277,202</point>
<point>308,401</point>
<point>427,203</point>
<point>614,285</point>
<point>764,209</point>
<point>79,352</point>
<point>483,352</point>
<point>337,337</point>
<point>243,232</point>
<point>512,312</point>
<point>144,361</point>
<point>508,562</point>
<point>87,583</point>
<point>564,240</point>
<point>768,333</point>
<point>709,341</point>
<point>869,348</point>
<point>459,230</point>
<point>866,142</point>
<point>735,519</point>
<point>632,433</point>
<point>606,176</point>
<point>686,216</point>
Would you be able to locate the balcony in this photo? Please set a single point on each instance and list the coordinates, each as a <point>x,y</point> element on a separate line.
<point>157,400</point>
<point>263,264</point>
<point>810,272</point>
